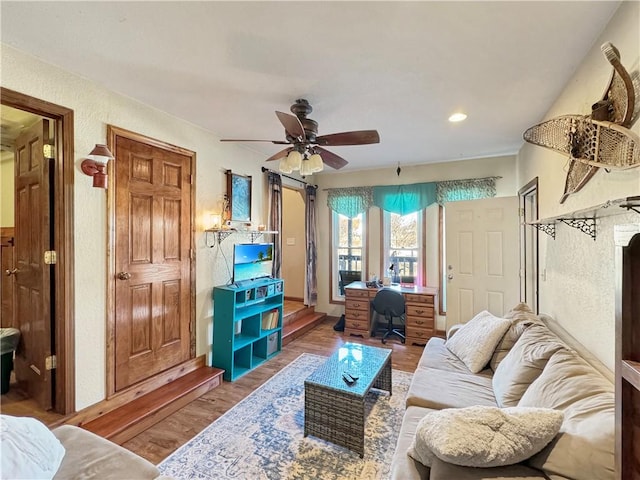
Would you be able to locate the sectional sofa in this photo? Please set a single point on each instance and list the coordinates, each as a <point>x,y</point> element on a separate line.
<point>534,364</point>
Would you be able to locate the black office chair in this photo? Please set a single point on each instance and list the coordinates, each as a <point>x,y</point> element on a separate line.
<point>389,303</point>
<point>347,277</point>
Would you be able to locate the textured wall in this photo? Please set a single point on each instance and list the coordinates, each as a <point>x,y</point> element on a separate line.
<point>579,286</point>
<point>94,108</point>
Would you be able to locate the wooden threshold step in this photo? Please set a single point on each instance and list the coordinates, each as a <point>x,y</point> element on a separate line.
<point>301,326</point>
<point>129,420</point>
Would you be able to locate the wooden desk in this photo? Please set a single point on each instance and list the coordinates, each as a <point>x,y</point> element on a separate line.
<point>420,322</point>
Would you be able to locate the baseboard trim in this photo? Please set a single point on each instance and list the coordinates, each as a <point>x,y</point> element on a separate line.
<point>123,397</point>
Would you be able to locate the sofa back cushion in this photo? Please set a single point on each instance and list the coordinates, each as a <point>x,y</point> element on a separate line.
<point>475,342</point>
<point>521,317</point>
<point>523,364</point>
<point>584,448</point>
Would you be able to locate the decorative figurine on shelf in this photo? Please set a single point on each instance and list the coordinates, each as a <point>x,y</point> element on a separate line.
<point>599,140</point>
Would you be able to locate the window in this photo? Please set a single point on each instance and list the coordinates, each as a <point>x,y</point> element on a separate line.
<point>402,247</point>
<point>529,274</point>
<point>347,251</point>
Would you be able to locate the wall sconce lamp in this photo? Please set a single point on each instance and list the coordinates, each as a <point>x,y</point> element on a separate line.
<point>95,165</point>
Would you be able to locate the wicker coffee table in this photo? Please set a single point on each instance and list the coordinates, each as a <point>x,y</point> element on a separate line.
<point>334,408</point>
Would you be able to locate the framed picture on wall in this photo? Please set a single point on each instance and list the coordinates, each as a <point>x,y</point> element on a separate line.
<point>239,194</point>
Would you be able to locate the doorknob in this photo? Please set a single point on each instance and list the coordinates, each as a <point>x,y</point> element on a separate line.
<point>450,276</point>
<point>11,272</point>
<point>124,276</point>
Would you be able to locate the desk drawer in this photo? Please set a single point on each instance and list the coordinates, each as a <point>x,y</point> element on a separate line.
<point>360,315</point>
<point>420,311</point>
<point>418,335</point>
<point>417,298</point>
<point>420,322</point>
<point>354,293</point>
<point>357,304</point>
<point>354,324</point>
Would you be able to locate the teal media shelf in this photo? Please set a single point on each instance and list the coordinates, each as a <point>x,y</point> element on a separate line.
<point>247,325</point>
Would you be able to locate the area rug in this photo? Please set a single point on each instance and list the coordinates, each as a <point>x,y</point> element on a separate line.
<point>262,437</point>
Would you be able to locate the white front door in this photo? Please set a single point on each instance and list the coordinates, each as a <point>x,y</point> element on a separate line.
<point>482,257</point>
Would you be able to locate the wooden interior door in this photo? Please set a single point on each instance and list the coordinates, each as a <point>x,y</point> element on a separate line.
<point>152,259</point>
<point>482,252</point>
<point>7,282</point>
<point>32,302</point>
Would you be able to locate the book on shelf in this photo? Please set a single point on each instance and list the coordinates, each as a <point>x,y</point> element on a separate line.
<point>270,319</point>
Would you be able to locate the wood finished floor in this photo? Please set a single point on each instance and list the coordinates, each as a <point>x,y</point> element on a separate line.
<point>158,442</point>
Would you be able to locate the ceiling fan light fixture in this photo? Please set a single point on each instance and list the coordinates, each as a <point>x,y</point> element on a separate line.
<point>294,160</point>
<point>457,117</point>
<point>305,168</point>
<point>284,165</point>
<point>315,163</point>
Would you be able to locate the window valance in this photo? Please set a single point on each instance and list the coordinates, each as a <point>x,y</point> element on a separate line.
<point>405,199</point>
<point>350,201</point>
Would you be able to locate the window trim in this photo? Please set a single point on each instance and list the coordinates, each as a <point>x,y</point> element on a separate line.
<point>422,245</point>
<point>365,256</point>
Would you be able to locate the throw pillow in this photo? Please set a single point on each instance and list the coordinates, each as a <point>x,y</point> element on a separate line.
<point>521,317</point>
<point>523,364</point>
<point>29,449</point>
<point>484,437</point>
<point>476,340</point>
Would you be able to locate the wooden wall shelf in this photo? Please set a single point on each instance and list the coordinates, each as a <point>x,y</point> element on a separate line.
<point>585,220</point>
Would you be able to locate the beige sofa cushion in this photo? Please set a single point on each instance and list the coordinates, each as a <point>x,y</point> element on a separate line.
<point>523,364</point>
<point>403,467</point>
<point>475,342</point>
<point>92,457</point>
<point>570,384</point>
<point>484,436</point>
<point>437,355</point>
<point>438,389</point>
<point>521,317</point>
<point>446,471</point>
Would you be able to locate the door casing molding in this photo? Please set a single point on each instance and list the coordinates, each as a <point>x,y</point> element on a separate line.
<point>63,234</point>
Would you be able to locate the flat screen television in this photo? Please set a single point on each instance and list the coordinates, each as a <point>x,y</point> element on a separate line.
<point>251,261</point>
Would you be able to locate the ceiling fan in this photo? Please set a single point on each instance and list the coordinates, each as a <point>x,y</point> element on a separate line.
<point>305,151</point>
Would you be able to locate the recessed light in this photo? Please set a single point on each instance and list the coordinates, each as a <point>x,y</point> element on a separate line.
<point>457,117</point>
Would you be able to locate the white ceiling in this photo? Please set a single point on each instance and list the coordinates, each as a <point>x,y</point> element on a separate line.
<point>399,67</point>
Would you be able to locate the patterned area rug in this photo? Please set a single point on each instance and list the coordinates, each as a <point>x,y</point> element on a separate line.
<point>262,436</point>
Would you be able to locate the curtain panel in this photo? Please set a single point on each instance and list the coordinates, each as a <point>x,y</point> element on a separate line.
<point>275,220</point>
<point>311,284</point>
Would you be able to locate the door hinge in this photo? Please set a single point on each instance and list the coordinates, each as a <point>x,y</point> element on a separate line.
<point>50,362</point>
<point>190,179</point>
<point>191,254</point>
<point>48,151</point>
<point>50,257</point>
<point>521,212</point>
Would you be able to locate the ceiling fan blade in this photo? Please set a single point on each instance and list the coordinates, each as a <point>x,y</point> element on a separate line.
<point>360,137</point>
<point>280,154</point>
<point>331,158</point>
<point>292,125</point>
<point>276,142</point>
